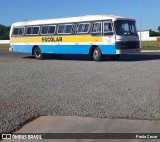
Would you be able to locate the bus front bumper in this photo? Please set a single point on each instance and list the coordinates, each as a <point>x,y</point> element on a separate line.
<point>128,51</point>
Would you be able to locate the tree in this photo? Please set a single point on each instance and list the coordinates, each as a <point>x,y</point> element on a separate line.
<point>159,29</point>
<point>4,32</point>
<point>153,33</point>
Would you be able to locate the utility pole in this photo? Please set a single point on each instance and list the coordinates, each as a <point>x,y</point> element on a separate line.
<point>140,23</point>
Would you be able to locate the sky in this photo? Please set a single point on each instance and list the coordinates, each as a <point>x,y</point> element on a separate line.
<point>19,10</point>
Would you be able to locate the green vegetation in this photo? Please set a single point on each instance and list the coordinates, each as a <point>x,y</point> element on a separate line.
<point>159,29</point>
<point>154,34</point>
<point>4,32</point>
<point>150,45</point>
<point>3,46</point>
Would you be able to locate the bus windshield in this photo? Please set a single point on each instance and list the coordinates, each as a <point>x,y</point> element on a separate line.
<point>125,27</point>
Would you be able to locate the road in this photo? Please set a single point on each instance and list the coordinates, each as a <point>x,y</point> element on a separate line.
<point>74,86</point>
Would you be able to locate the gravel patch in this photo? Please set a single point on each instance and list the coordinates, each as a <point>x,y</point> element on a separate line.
<point>129,88</point>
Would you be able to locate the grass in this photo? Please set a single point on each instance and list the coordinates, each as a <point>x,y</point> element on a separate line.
<point>150,45</point>
<point>3,46</point>
<point>146,45</point>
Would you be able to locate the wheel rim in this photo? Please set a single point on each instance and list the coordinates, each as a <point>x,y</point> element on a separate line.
<point>95,54</point>
<point>37,53</point>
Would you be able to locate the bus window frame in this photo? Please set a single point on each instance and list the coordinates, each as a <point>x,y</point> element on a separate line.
<point>18,31</point>
<point>32,30</point>
<point>111,32</point>
<point>48,30</point>
<point>65,29</point>
<point>77,24</point>
<point>97,33</point>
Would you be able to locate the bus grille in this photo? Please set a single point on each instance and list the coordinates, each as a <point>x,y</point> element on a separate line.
<point>127,45</point>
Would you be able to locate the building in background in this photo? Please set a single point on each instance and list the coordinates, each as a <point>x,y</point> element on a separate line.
<point>4,41</point>
<point>145,36</point>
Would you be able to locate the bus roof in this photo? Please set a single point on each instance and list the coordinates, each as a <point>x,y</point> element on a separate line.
<point>70,19</point>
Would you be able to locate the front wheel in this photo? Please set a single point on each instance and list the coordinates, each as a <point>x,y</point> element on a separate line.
<point>37,53</point>
<point>96,54</point>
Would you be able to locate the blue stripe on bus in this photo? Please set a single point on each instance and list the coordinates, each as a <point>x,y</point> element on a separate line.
<point>64,49</point>
<point>22,48</point>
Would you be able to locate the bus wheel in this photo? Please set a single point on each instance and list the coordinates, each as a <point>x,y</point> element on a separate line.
<point>37,53</point>
<point>96,54</point>
<point>115,57</point>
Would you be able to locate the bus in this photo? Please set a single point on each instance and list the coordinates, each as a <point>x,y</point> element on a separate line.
<point>95,35</point>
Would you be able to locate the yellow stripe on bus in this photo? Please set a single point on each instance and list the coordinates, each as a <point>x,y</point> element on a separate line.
<point>46,39</point>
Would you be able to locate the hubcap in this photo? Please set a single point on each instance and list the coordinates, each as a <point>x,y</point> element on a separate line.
<point>37,53</point>
<point>95,54</point>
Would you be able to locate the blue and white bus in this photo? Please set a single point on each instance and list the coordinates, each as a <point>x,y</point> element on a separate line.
<point>95,35</point>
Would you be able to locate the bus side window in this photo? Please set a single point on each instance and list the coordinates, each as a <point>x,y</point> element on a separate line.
<point>44,30</point>
<point>32,31</point>
<point>48,29</point>
<point>96,28</point>
<point>68,29</point>
<point>51,29</point>
<point>35,30</point>
<point>15,31</point>
<point>61,29</point>
<point>65,29</point>
<point>29,30</point>
<point>79,27</point>
<point>107,28</point>
<point>85,28</point>
<point>18,31</point>
<point>21,31</point>
<point>82,28</point>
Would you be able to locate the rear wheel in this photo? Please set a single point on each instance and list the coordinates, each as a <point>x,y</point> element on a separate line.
<point>96,54</point>
<point>37,53</point>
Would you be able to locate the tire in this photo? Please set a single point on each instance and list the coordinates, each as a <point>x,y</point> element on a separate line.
<point>115,57</point>
<point>96,54</point>
<point>37,54</point>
